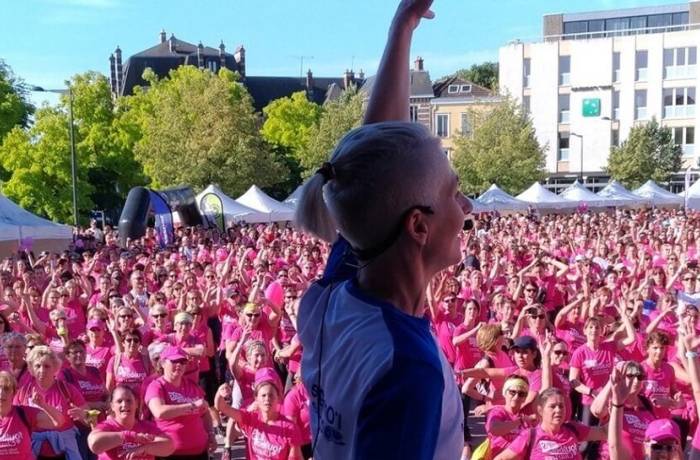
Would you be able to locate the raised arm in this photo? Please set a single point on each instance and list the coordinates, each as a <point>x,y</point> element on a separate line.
<point>389,99</point>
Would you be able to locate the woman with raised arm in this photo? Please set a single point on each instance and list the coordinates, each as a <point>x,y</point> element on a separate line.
<point>390,198</point>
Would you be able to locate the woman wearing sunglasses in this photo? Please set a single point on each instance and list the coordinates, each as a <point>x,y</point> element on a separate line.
<point>505,422</point>
<point>532,321</point>
<point>128,366</point>
<point>259,326</point>
<point>160,325</point>
<point>188,342</point>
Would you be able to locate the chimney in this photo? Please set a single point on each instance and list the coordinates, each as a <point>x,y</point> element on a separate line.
<point>171,43</point>
<point>118,63</point>
<point>309,81</point>
<point>200,57</point>
<point>348,78</point>
<point>418,64</point>
<point>112,75</point>
<point>239,56</point>
<point>222,54</point>
<point>162,36</point>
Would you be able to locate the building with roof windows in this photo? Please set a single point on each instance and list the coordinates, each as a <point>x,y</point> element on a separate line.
<point>595,75</point>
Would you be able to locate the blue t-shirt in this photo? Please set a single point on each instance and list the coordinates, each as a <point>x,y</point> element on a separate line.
<point>378,384</point>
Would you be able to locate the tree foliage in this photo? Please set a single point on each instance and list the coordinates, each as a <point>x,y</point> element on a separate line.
<point>15,108</point>
<point>198,128</point>
<point>484,74</point>
<point>502,149</point>
<point>38,159</point>
<point>338,117</point>
<point>648,153</point>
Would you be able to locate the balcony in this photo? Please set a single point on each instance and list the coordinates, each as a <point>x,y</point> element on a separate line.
<point>679,111</point>
<point>564,79</point>
<point>679,72</point>
<point>564,116</point>
<point>641,74</point>
<point>563,155</point>
<point>688,150</point>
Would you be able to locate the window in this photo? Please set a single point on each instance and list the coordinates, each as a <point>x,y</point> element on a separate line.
<point>680,62</point>
<point>466,88</point>
<point>641,62</point>
<point>564,100</point>
<point>660,20</point>
<point>526,72</point>
<point>466,126</point>
<point>616,66</point>
<point>564,70</point>
<point>616,105</point>
<point>576,27</point>
<point>685,137</point>
<point>613,26</point>
<point>596,27</point>
<point>452,89</point>
<point>413,113</point>
<point>442,125</point>
<point>640,104</point>
<point>679,102</point>
<point>638,22</point>
<point>615,137</point>
<point>211,65</point>
<point>526,104</point>
<point>563,150</point>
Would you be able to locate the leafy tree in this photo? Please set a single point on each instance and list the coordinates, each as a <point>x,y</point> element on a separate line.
<point>15,109</point>
<point>339,117</point>
<point>197,128</point>
<point>648,153</point>
<point>503,150</point>
<point>485,74</point>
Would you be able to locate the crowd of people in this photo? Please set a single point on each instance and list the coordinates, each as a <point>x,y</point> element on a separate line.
<point>567,333</point>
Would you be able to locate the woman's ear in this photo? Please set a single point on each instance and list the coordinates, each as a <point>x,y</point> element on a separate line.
<point>416,226</point>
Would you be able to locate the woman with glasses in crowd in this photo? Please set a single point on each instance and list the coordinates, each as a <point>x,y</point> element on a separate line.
<point>98,349</point>
<point>189,343</point>
<point>159,324</point>
<point>128,366</point>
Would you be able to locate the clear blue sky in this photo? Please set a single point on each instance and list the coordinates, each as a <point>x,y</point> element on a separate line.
<point>47,41</point>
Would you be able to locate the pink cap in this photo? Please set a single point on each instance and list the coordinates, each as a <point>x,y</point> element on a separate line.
<point>95,324</point>
<point>662,430</point>
<point>268,375</point>
<point>172,353</point>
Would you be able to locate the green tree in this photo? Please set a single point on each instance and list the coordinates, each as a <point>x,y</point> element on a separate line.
<point>485,74</point>
<point>648,153</point>
<point>502,149</point>
<point>38,159</point>
<point>338,117</point>
<point>197,128</point>
<point>15,108</point>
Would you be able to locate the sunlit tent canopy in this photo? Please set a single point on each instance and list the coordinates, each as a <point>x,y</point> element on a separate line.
<point>495,199</point>
<point>616,192</point>
<point>542,199</point>
<point>20,228</point>
<point>658,196</point>
<point>693,195</point>
<point>293,199</point>
<point>579,193</point>
<point>217,208</point>
<point>274,210</point>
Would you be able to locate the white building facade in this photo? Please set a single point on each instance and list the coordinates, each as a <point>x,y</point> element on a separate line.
<point>595,75</point>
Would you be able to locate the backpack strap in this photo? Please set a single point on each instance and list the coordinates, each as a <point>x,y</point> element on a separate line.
<point>23,418</point>
<point>531,442</point>
<point>68,376</point>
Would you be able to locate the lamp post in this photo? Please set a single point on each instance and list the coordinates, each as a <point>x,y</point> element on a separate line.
<point>73,165</point>
<point>580,172</point>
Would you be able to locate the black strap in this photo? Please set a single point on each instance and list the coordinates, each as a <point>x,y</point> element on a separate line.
<point>23,417</point>
<point>531,442</point>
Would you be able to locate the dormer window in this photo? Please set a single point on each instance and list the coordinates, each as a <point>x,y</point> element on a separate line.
<point>452,89</point>
<point>466,89</point>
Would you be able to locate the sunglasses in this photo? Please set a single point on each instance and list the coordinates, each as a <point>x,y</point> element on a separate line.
<point>125,316</point>
<point>540,316</point>
<point>638,377</point>
<point>160,315</point>
<point>688,279</point>
<point>114,296</point>
<point>530,290</point>
<point>519,394</point>
<point>252,315</point>
<point>132,340</point>
<point>662,447</point>
<point>561,352</point>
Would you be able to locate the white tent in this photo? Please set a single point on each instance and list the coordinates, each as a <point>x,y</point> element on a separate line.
<point>213,202</point>
<point>293,199</point>
<point>616,192</point>
<point>274,210</point>
<point>693,195</point>
<point>658,196</point>
<point>18,226</point>
<point>495,199</point>
<point>542,199</point>
<point>578,192</point>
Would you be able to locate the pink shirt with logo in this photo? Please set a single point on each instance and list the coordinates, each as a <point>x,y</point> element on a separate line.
<point>467,354</point>
<point>499,443</point>
<point>659,382</point>
<point>270,440</point>
<point>634,425</point>
<point>296,408</point>
<point>560,446</point>
<point>98,358</point>
<point>595,366</point>
<point>130,371</point>
<point>119,452</point>
<point>90,384</point>
<point>186,431</point>
<point>60,395</point>
<point>15,435</point>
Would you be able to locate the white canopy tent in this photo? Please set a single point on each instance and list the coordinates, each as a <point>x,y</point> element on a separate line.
<point>213,202</point>
<point>693,194</point>
<point>622,197</point>
<point>495,199</point>
<point>579,193</point>
<point>293,199</point>
<point>542,199</point>
<point>274,210</point>
<point>658,196</point>
<point>19,227</point>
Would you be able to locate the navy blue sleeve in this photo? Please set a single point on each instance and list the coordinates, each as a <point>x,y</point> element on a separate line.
<point>341,264</point>
<point>400,416</point>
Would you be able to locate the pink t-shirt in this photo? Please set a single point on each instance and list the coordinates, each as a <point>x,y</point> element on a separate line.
<point>118,453</point>
<point>659,382</point>
<point>269,441</point>
<point>444,331</point>
<point>560,446</point>
<point>15,435</point>
<point>60,395</point>
<point>499,443</point>
<point>91,385</point>
<point>296,408</point>
<point>634,426</point>
<point>98,358</point>
<point>186,431</point>
<point>595,366</point>
<point>467,354</point>
<point>571,333</point>
<point>130,372</point>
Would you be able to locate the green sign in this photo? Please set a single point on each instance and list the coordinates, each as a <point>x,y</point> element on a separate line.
<point>591,107</point>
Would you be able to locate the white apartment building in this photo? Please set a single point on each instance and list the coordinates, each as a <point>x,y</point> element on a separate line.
<point>595,75</point>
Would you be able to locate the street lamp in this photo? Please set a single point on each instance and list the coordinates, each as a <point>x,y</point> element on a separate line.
<point>73,165</point>
<point>580,136</point>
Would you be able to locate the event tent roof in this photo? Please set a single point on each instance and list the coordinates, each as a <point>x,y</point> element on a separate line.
<point>232,211</point>
<point>495,199</point>
<point>579,193</point>
<point>273,209</point>
<point>17,225</point>
<point>617,192</point>
<point>693,194</point>
<point>658,196</point>
<point>541,198</point>
<point>293,199</point>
